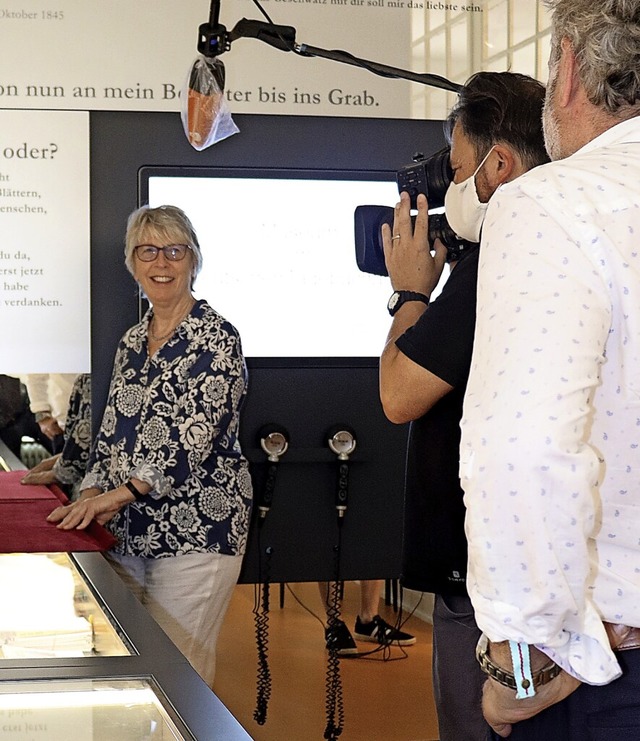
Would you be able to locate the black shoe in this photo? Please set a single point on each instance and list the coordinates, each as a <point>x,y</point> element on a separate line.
<point>339,639</point>
<point>379,631</point>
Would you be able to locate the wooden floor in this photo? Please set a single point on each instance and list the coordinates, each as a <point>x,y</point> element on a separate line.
<point>383,700</point>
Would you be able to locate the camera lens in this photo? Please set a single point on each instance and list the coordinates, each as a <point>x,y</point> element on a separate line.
<point>439,229</point>
<point>439,175</point>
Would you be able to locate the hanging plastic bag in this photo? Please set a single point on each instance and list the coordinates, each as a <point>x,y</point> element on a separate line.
<point>206,118</point>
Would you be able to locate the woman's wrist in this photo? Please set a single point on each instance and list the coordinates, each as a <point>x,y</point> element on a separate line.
<point>136,488</point>
<point>133,490</point>
<point>93,491</point>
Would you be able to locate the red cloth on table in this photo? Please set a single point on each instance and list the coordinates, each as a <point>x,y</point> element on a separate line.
<point>23,520</point>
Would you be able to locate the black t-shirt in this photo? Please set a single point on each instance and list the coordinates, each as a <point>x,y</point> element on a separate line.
<point>435,547</point>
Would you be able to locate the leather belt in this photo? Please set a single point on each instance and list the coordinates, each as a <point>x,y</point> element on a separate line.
<point>622,637</point>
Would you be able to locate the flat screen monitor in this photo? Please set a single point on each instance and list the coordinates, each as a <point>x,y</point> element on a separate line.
<point>279,257</point>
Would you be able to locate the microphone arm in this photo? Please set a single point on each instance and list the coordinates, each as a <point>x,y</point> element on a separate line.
<point>379,69</point>
<point>280,37</point>
<point>214,40</point>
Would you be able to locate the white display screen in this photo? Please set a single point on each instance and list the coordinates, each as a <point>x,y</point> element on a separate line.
<point>279,257</point>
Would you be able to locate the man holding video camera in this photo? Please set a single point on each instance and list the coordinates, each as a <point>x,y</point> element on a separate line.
<point>495,132</point>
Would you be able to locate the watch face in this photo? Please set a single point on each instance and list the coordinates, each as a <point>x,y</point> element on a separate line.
<point>395,297</point>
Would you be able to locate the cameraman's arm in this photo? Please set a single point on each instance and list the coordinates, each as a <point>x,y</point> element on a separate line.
<point>407,390</point>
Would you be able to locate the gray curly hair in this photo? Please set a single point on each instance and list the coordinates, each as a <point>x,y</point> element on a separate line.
<point>605,36</point>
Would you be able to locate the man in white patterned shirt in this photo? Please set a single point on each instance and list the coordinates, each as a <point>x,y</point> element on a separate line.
<point>550,452</point>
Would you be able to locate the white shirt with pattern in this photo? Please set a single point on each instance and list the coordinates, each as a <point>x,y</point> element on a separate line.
<point>50,392</point>
<point>550,452</point>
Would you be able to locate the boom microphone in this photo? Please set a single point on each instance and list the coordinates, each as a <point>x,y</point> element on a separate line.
<point>205,114</point>
<point>204,98</point>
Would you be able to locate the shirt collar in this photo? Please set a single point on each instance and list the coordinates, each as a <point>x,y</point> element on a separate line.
<point>625,131</point>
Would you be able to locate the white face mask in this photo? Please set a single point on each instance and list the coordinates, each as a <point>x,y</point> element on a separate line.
<point>465,213</point>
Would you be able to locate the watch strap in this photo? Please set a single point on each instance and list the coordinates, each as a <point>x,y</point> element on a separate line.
<point>132,488</point>
<point>398,298</point>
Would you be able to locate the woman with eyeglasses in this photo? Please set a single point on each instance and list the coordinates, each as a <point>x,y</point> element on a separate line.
<point>166,474</point>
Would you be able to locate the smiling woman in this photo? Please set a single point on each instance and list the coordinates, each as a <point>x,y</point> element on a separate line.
<point>163,255</point>
<point>166,473</point>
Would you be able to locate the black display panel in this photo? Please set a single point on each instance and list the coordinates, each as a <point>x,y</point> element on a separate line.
<point>306,395</point>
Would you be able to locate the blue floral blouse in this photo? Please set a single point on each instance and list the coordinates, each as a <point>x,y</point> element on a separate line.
<point>172,421</point>
<point>71,467</point>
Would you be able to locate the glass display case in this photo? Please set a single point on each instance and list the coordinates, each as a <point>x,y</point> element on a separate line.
<point>81,658</point>
<point>86,710</point>
<point>52,613</point>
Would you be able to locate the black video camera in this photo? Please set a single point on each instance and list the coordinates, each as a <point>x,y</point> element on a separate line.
<point>430,176</point>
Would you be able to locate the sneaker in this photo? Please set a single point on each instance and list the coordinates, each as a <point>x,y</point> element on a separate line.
<point>379,631</point>
<point>339,638</point>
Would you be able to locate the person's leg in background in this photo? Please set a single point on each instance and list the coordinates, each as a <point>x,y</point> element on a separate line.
<point>457,677</point>
<point>369,625</point>
<point>370,594</point>
<point>337,635</point>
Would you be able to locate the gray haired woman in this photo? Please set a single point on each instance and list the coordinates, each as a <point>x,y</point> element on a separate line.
<point>166,473</point>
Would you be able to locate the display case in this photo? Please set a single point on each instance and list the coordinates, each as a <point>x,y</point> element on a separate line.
<point>81,658</point>
<point>52,613</point>
<point>109,673</point>
<point>86,710</point>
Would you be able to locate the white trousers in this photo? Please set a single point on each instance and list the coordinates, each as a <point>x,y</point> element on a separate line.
<point>187,595</point>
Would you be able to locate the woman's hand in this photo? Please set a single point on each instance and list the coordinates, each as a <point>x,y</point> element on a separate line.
<point>42,473</point>
<point>92,505</point>
<point>50,427</point>
<point>408,258</point>
<point>43,478</point>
